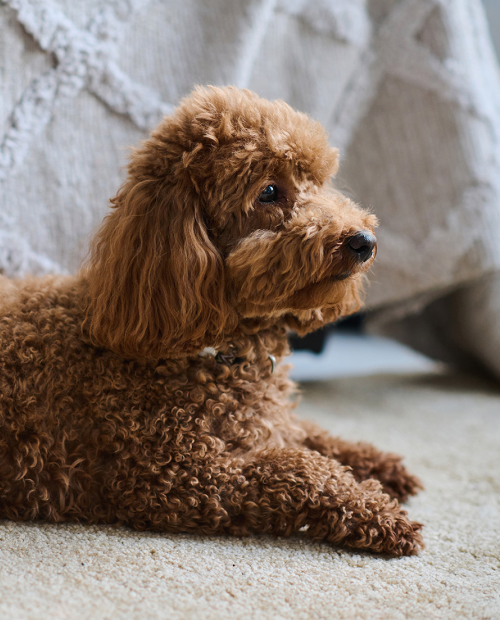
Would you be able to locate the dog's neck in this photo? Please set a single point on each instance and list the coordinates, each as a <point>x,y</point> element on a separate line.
<point>230,359</point>
<point>251,340</point>
<point>262,344</point>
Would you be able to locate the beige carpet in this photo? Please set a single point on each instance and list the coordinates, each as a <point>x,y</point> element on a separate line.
<point>449,429</point>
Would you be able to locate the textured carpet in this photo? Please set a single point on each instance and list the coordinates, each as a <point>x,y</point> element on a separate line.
<point>449,429</point>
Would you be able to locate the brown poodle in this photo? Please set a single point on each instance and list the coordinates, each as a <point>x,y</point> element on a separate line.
<point>147,390</point>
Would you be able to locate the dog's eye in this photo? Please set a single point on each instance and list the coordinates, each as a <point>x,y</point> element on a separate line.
<point>270,194</point>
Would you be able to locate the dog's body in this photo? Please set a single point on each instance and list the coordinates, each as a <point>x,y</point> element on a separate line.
<point>145,389</point>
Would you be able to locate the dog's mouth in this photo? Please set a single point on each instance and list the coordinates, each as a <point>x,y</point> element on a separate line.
<point>314,294</point>
<point>324,281</point>
<point>340,276</point>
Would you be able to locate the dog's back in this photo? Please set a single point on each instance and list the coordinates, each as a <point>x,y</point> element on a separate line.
<point>83,430</point>
<point>40,345</point>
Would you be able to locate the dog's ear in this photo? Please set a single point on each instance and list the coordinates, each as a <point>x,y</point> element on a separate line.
<point>156,281</point>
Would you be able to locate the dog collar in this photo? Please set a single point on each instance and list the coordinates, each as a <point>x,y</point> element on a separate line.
<point>228,359</point>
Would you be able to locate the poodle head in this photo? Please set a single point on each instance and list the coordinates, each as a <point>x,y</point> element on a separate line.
<point>227,214</point>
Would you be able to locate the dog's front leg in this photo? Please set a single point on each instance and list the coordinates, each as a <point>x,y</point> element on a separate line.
<point>283,491</point>
<point>365,461</point>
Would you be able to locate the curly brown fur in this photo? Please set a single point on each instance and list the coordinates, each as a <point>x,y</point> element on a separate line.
<point>108,411</point>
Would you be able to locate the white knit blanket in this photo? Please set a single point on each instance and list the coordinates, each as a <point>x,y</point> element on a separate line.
<point>409,90</point>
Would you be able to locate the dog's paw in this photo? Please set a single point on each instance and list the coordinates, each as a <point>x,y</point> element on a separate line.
<point>389,532</point>
<point>401,537</point>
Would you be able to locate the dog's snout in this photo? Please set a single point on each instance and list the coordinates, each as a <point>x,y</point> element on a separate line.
<point>361,245</point>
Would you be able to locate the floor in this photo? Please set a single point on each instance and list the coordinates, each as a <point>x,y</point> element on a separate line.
<point>448,428</point>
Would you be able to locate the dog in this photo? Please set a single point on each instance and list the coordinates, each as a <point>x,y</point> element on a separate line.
<point>147,390</point>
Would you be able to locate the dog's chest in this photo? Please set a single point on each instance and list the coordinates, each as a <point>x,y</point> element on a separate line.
<point>233,402</point>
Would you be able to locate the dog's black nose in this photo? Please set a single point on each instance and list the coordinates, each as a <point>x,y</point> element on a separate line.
<point>362,244</point>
